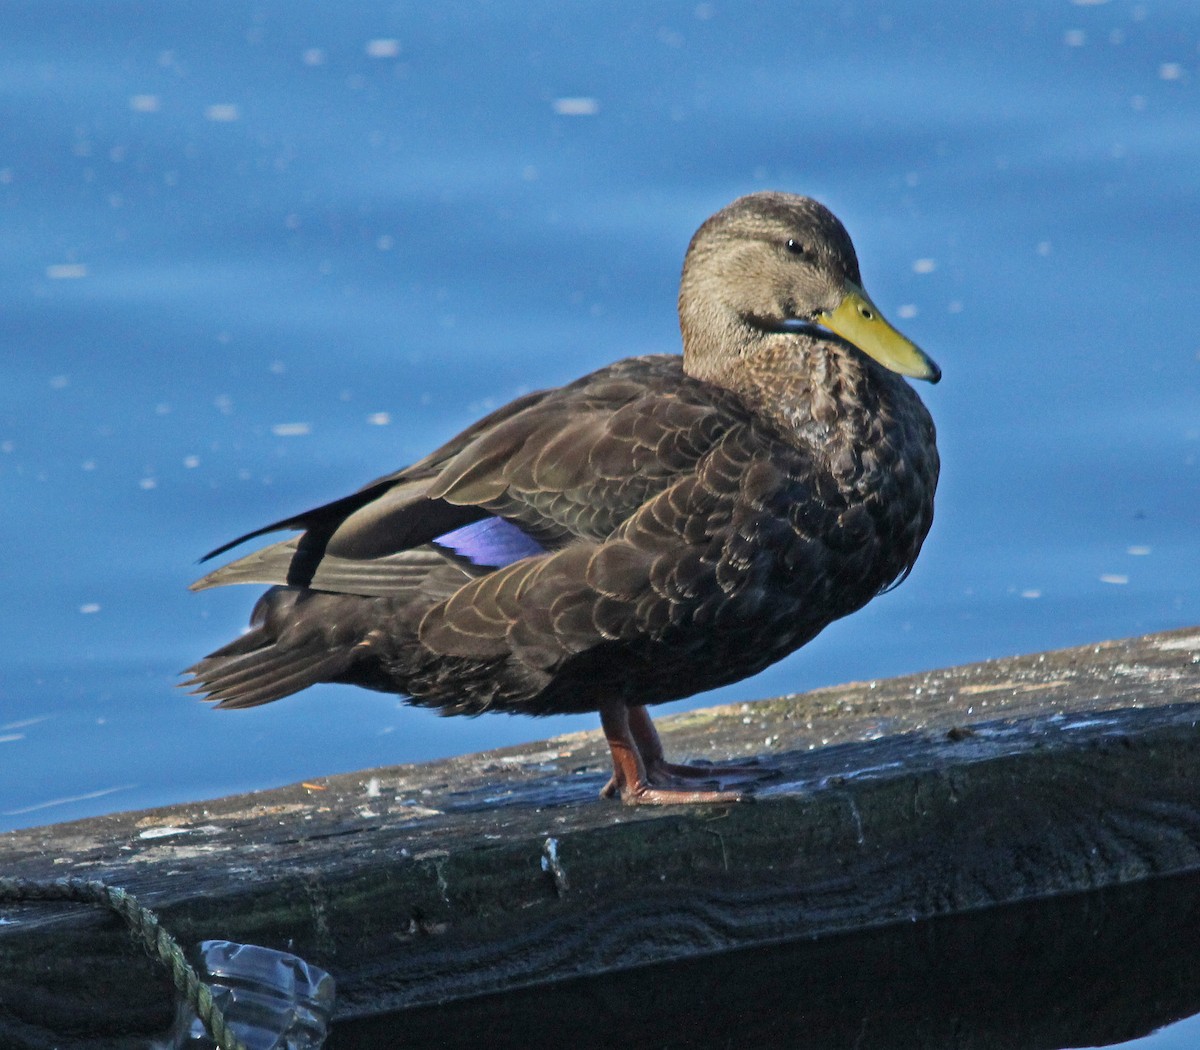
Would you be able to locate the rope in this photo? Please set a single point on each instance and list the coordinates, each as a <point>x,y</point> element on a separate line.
<point>144,925</point>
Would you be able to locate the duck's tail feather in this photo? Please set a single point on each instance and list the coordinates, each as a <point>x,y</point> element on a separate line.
<point>283,652</point>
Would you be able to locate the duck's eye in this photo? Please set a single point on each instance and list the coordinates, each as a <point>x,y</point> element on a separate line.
<point>795,247</point>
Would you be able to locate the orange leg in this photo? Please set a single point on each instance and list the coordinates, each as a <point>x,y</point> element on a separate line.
<point>641,775</point>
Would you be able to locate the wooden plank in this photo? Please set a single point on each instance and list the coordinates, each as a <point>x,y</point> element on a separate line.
<point>1077,970</point>
<point>929,795</point>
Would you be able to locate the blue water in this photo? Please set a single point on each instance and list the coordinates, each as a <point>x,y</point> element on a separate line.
<point>255,254</point>
<point>1183,1035</point>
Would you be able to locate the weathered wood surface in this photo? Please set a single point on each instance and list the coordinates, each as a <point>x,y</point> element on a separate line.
<point>923,796</point>
<point>1087,969</point>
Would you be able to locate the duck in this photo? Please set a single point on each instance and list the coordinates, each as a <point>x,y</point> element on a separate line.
<point>664,525</point>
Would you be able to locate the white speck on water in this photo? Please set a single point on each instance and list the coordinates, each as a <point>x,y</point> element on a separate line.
<point>579,106</point>
<point>191,462</point>
<point>25,723</point>
<point>1113,577</point>
<point>1137,550</point>
<point>291,429</point>
<point>1138,102</point>
<point>146,484</point>
<point>144,103</point>
<point>384,47</point>
<point>313,56</point>
<point>60,382</point>
<point>222,112</point>
<point>385,243</point>
<point>1031,593</point>
<point>1074,38</point>
<point>1044,248</point>
<point>907,310</point>
<point>955,306</point>
<point>67,800</point>
<point>924,265</point>
<point>1170,71</point>
<point>162,409</point>
<point>223,404</point>
<point>8,738</point>
<point>379,419</point>
<point>277,368</point>
<point>90,607</point>
<point>66,271</point>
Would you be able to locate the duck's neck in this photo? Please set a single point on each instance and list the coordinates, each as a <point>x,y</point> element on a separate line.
<point>811,387</point>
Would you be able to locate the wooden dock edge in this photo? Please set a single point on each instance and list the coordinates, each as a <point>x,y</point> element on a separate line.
<point>929,795</point>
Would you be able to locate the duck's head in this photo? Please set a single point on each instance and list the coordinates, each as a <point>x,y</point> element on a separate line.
<point>777,263</point>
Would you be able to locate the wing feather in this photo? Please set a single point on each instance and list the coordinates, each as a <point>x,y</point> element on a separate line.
<point>557,466</point>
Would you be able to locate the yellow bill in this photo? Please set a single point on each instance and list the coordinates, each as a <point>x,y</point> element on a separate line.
<point>858,320</point>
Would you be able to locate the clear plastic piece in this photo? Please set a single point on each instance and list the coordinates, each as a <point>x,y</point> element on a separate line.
<point>272,1000</point>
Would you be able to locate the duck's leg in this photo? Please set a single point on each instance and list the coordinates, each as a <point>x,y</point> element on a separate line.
<point>659,769</point>
<point>625,729</point>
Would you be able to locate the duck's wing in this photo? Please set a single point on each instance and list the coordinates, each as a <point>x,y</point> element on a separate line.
<point>696,556</point>
<point>580,462</point>
<point>550,467</point>
<point>328,515</point>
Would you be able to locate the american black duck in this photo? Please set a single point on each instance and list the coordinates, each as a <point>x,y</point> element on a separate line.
<point>661,526</point>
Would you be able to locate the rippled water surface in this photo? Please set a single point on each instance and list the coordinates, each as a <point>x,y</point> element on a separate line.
<point>255,254</point>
